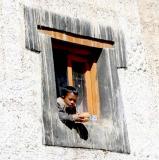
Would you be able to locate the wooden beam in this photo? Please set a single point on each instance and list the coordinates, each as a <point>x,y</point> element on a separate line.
<point>69,72</point>
<point>95,90</point>
<point>76,39</point>
<point>89,90</point>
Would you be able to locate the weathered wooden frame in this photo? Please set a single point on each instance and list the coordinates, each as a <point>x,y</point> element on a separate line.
<point>91,81</point>
<point>111,132</point>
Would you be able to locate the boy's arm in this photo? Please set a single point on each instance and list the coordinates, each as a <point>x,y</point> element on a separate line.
<point>69,117</point>
<point>65,116</point>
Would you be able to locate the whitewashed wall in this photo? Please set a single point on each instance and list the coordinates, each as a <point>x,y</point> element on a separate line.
<point>20,79</point>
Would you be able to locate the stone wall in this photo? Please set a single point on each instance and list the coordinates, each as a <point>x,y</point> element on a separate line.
<point>20,80</point>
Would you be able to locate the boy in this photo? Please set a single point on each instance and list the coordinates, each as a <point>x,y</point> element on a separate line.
<point>67,105</point>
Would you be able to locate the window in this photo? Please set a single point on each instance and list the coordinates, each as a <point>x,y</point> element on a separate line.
<point>93,69</point>
<point>76,65</point>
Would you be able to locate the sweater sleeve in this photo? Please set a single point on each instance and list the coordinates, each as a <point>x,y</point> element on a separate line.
<point>63,115</point>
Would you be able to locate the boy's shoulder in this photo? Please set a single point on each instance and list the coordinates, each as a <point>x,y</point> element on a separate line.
<point>60,102</point>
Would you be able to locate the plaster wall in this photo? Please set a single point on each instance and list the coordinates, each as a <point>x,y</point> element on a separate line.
<point>20,79</point>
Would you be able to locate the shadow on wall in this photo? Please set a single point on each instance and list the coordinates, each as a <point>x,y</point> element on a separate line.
<point>79,127</point>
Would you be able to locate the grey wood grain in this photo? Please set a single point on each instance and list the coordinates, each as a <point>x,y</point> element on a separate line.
<point>38,17</point>
<point>109,132</point>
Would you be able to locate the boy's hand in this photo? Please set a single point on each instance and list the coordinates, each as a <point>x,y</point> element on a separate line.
<point>81,117</point>
<point>78,118</point>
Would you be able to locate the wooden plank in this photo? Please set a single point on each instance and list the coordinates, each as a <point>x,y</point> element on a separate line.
<point>95,90</point>
<point>76,58</point>
<point>76,39</point>
<point>120,50</point>
<point>69,71</point>
<point>48,91</point>
<point>89,89</point>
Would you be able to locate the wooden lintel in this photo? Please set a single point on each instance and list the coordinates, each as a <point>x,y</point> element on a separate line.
<point>72,38</point>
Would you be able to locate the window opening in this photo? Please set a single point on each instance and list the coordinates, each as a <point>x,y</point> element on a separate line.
<point>60,67</point>
<point>76,65</point>
<point>78,71</point>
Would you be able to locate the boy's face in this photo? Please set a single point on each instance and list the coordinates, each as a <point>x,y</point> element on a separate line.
<point>70,99</point>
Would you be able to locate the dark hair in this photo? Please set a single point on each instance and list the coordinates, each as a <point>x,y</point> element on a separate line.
<point>68,89</point>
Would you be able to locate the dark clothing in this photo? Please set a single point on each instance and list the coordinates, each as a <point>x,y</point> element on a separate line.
<point>66,116</point>
<point>65,112</point>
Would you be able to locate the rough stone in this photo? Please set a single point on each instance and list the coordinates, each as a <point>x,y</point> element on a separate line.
<point>20,80</point>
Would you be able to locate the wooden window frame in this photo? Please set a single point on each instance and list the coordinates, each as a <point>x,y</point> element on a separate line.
<point>110,136</point>
<point>92,90</point>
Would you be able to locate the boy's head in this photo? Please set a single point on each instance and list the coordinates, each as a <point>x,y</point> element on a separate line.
<point>70,94</point>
